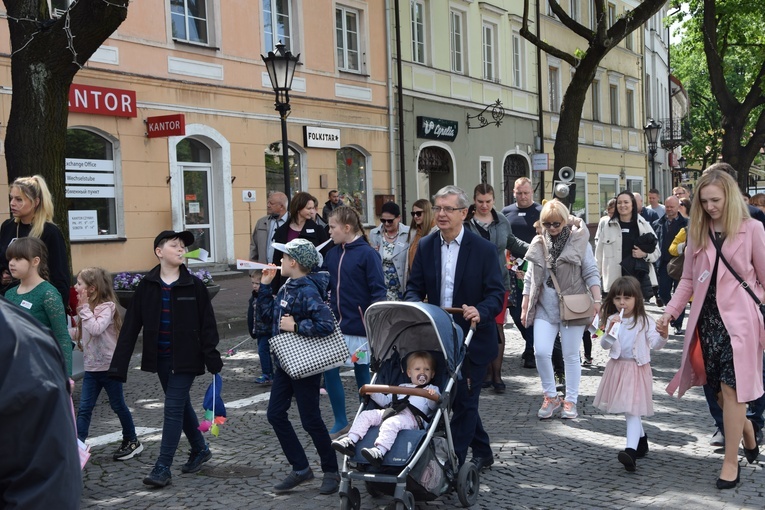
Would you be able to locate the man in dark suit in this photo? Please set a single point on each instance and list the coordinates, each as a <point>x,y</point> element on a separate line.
<point>457,268</point>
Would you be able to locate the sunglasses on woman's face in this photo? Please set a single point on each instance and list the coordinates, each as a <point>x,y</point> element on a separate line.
<point>554,224</point>
<point>388,221</point>
<point>416,214</point>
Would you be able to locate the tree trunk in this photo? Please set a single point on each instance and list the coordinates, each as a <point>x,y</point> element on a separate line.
<point>45,56</point>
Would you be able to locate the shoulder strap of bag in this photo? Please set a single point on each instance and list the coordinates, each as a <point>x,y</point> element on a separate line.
<point>552,273</point>
<point>733,271</point>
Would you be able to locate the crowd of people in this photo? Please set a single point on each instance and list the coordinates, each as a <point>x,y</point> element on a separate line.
<point>525,261</point>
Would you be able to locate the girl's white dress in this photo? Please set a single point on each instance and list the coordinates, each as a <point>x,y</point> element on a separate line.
<point>627,382</point>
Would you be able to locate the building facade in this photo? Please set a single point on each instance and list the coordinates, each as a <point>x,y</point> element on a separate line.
<point>458,59</point>
<point>172,122</point>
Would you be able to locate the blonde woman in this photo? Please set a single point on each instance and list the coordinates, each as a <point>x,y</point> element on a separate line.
<point>725,338</point>
<point>423,223</point>
<point>32,215</point>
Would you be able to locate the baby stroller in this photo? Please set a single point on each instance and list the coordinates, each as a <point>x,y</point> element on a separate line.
<point>422,464</point>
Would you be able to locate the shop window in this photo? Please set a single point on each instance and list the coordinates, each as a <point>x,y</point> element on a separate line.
<point>91,186</point>
<point>352,180</point>
<point>275,168</point>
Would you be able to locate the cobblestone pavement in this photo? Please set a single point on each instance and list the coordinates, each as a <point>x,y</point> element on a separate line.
<point>538,464</point>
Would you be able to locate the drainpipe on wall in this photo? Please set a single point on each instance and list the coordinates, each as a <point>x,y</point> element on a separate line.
<point>391,119</point>
<point>400,101</point>
<point>540,123</point>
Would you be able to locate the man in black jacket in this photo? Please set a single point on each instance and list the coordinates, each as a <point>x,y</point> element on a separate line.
<point>666,228</point>
<point>40,463</point>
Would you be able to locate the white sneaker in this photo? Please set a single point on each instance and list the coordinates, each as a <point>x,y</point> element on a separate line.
<point>569,411</point>
<point>718,439</point>
<point>549,406</point>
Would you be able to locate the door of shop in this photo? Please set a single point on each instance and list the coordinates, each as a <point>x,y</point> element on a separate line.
<point>198,207</point>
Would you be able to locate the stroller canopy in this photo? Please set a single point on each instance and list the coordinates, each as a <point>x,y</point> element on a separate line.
<point>413,327</point>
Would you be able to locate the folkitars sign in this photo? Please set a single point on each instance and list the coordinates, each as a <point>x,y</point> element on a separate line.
<point>102,101</point>
<point>166,125</point>
<point>323,138</point>
<point>436,129</point>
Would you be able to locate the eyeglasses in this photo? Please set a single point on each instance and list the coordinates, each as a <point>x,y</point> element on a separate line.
<point>554,224</point>
<point>388,221</point>
<point>416,214</point>
<point>448,210</point>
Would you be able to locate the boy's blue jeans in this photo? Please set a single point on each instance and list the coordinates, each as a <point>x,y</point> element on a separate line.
<point>264,353</point>
<point>179,413</point>
<point>92,383</point>
<point>306,394</point>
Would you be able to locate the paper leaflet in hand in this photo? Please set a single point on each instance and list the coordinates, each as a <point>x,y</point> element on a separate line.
<point>199,254</point>
<point>594,328</point>
<point>612,329</point>
<point>215,409</point>
<point>249,264</point>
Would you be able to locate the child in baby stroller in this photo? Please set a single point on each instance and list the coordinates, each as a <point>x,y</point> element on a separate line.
<point>421,464</point>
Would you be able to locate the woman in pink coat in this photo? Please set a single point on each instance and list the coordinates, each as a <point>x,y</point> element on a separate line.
<point>725,336</point>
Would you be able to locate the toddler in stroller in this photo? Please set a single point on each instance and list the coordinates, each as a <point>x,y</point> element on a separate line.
<point>396,414</point>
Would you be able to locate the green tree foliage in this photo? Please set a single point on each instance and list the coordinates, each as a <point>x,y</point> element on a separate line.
<point>721,62</point>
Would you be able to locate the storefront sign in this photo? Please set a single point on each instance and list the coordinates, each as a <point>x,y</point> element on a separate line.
<point>166,125</point>
<point>436,129</point>
<point>323,138</point>
<point>83,224</point>
<point>102,101</point>
<point>84,178</point>
<point>89,192</point>
<point>90,165</point>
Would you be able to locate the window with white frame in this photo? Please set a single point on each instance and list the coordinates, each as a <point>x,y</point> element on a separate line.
<point>518,62</point>
<point>648,104</point>
<point>630,100</point>
<point>490,52</point>
<point>487,172</point>
<point>635,185</point>
<point>277,24</point>
<point>457,40</point>
<point>611,14</point>
<point>608,187</point>
<point>92,185</point>
<point>550,11</point>
<point>418,31</point>
<point>191,21</point>
<point>613,99</point>
<point>574,10</point>
<point>553,88</point>
<point>596,100</point>
<point>347,23</point>
<point>628,37</point>
<point>579,207</point>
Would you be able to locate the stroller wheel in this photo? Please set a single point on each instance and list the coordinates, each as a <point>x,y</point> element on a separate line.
<point>407,504</point>
<point>468,482</point>
<point>352,501</point>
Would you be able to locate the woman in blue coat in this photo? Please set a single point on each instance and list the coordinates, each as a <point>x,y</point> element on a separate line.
<point>355,281</point>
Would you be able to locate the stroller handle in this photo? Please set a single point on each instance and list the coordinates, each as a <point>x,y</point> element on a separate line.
<point>458,311</point>
<point>398,390</point>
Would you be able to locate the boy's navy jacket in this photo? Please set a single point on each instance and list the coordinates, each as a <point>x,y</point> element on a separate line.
<point>194,331</point>
<point>302,298</point>
<point>356,281</point>
<point>256,328</point>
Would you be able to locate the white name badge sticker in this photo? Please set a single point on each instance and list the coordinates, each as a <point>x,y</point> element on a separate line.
<point>309,231</point>
<point>283,303</point>
<point>625,231</point>
<point>521,214</point>
<point>704,276</point>
<point>26,304</point>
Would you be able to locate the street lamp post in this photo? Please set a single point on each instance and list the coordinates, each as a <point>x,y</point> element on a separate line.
<point>652,130</point>
<point>281,70</point>
<point>681,162</point>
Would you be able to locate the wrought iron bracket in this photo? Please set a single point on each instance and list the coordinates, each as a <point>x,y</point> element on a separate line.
<point>497,114</point>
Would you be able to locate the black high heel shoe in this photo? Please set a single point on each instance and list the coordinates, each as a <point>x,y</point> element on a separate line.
<point>729,484</point>
<point>751,454</point>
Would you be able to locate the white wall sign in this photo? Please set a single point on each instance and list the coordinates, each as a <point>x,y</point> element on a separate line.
<point>83,224</point>
<point>88,178</point>
<point>323,138</point>
<point>89,192</point>
<point>540,162</point>
<point>248,195</point>
<point>90,165</point>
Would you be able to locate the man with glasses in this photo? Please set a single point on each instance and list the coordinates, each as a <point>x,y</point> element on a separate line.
<point>681,192</point>
<point>457,268</point>
<point>522,215</point>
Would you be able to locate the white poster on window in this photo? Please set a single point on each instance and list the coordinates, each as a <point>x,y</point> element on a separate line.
<point>83,224</point>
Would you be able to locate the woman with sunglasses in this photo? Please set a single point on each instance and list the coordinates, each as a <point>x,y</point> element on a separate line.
<point>423,223</point>
<point>617,238</point>
<point>391,241</point>
<point>495,228</point>
<point>562,250</point>
<point>32,215</point>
